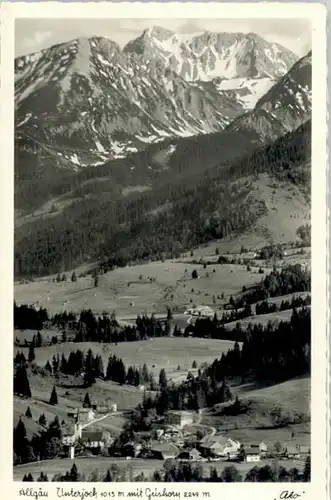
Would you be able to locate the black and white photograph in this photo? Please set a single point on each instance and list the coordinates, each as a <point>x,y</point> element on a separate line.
<point>162,267</point>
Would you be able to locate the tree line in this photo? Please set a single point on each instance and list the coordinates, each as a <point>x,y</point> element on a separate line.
<point>290,279</point>
<point>89,367</point>
<point>186,472</point>
<point>29,318</point>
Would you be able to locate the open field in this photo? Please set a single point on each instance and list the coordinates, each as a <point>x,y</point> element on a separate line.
<point>292,397</point>
<point>128,291</point>
<point>294,394</point>
<point>157,353</point>
<point>87,465</point>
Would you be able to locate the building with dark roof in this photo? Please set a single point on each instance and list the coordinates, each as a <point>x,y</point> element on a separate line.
<point>162,451</point>
<point>252,454</point>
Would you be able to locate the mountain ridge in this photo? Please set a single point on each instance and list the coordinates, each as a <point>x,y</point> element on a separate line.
<point>89,94</point>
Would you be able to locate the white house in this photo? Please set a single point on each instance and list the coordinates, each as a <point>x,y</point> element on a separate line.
<point>93,439</point>
<point>204,311</point>
<point>252,455</point>
<point>82,415</point>
<point>108,406</point>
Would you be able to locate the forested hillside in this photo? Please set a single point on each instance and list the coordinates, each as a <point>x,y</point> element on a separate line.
<point>174,216</point>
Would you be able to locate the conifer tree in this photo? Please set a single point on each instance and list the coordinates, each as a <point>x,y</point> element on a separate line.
<point>39,340</point>
<point>58,278</point>
<point>28,413</point>
<point>53,399</point>
<point>74,473</point>
<point>87,401</point>
<point>42,420</point>
<point>64,364</point>
<point>42,478</point>
<point>55,364</point>
<point>145,374</point>
<point>98,367</point>
<point>89,373</point>
<point>73,277</point>
<point>21,382</point>
<point>307,470</point>
<point>163,378</point>
<point>48,367</point>
<point>19,440</point>
<point>108,478</point>
<point>54,429</point>
<point>31,356</point>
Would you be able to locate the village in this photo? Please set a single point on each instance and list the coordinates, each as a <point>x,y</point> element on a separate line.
<point>178,436</point>
<point>188,341</point>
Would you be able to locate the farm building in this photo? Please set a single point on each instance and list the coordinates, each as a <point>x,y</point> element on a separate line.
<point>108,406</point>
<point>204,311</point>
<point>95,439</point>
<point>304,450</point>
<point>162,451</point>
<point>193,455</point>
<point>218,446</point>
<point>261,446</point>
<point>82,415</point>
<point>180,418</point>
<point>292,451</point>
<point>296,451</point>
<point>252,454</point>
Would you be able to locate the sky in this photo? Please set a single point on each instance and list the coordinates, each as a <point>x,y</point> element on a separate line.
<point>32,35</point>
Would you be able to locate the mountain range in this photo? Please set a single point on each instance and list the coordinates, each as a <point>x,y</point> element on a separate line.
<point>87,101</point>
<point>138,127</point>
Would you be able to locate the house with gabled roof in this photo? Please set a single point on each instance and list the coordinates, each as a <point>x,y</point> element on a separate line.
<point>252,454</point>
<point>95,439</point>
<point>296,451</point>
<point>218,446</point>
<point>162,451</point>
<point>193,455</point>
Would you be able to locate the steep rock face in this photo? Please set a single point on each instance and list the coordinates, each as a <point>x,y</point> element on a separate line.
<point>88,96</point>
<point>207,55</point>
<point>87,101</point>
<point>284,107</point>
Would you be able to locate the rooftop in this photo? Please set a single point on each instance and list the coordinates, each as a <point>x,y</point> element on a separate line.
<point>164,447</point>
<point>92,436</point>
<point>252,451</point>
<point>292,449</point>
<point>215,441</point>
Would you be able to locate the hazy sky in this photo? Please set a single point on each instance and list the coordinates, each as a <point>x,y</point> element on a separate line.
<point>35,34</point>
